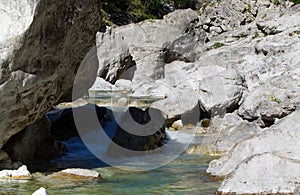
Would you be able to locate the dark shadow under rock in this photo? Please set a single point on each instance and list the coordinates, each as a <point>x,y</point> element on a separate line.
<point>63,125</point>
<point>34,143</point>
<point>138,130</point>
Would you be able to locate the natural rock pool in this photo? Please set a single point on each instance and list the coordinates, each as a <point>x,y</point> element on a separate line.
<point>185,175</point>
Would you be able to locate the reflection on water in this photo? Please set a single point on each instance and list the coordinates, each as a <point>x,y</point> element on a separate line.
<point>185,175</point>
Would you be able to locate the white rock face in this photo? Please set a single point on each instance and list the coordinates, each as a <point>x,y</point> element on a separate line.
<point>265,173</point>
<point>16,17</point>
<point>20,173</point>
<point>139,45</point>
<point>227,131</point>
<point>273,154</point>
<point>81,173</point>
<point>41,191</point>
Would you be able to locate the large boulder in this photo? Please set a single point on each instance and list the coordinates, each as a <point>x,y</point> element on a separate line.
<point>272,155</point>
<point>34,143</point>
<point>42,47</point>
<point>138,130</point>
<point>117,47</point>
<point>224,133</point>
<point>218,89</point>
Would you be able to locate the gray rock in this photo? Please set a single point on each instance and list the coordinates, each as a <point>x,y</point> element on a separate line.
<point>5,160</point>
<point>275,149</point>
<point>140,41</point>
<point>100,84</point>
<point>226,132</point>
<point>38,68</point>
<point>265,173</point>
<point>34,143</point>
<point>123,84</point>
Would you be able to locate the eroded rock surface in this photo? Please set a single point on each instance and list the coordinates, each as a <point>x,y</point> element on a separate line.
<point>275,151</point>
<point>34,143</point>
<point>225,132</point>
<point>40,50</point>
<point>20,173</point>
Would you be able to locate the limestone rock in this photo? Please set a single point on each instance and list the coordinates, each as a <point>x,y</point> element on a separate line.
<point>100,84</point>
<point>16,18</point>
<point>139,42</point>
<point>275,149</point>
<point>228,131</point>
<point>80,173</point>
<point>37,68</point>
<point>265,173</point>
<point>41,191</point>
<point>20,173</point>
<point>177,125</point>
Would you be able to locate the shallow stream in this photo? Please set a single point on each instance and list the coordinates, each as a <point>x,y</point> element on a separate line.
<point>183,175</point>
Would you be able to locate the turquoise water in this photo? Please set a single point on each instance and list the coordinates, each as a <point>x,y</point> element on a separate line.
<point>185,175</point>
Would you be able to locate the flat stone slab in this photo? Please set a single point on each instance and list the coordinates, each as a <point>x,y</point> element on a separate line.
<point>75,173</point>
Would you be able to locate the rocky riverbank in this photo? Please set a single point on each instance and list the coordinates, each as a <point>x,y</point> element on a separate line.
<point>232,63</point>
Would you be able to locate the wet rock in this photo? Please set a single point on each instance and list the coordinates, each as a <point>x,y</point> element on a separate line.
<point>20,173</point>
<point>138,130</point>
<point>34,143</point>
<point>75,173</point>
<point>5,161</point>
<point>63,124</point>
<point>41,191</point>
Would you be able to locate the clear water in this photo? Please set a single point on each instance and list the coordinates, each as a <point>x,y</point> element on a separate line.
<point>185,175</point>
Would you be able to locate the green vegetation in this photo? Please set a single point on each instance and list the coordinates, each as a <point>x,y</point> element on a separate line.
<point>281,14</point>
<point>218,45</point>
<point>256,35</point>
<point>127,11</point>
<point>277,2</point>
<point>274,99</point>
<point>295,1</point>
